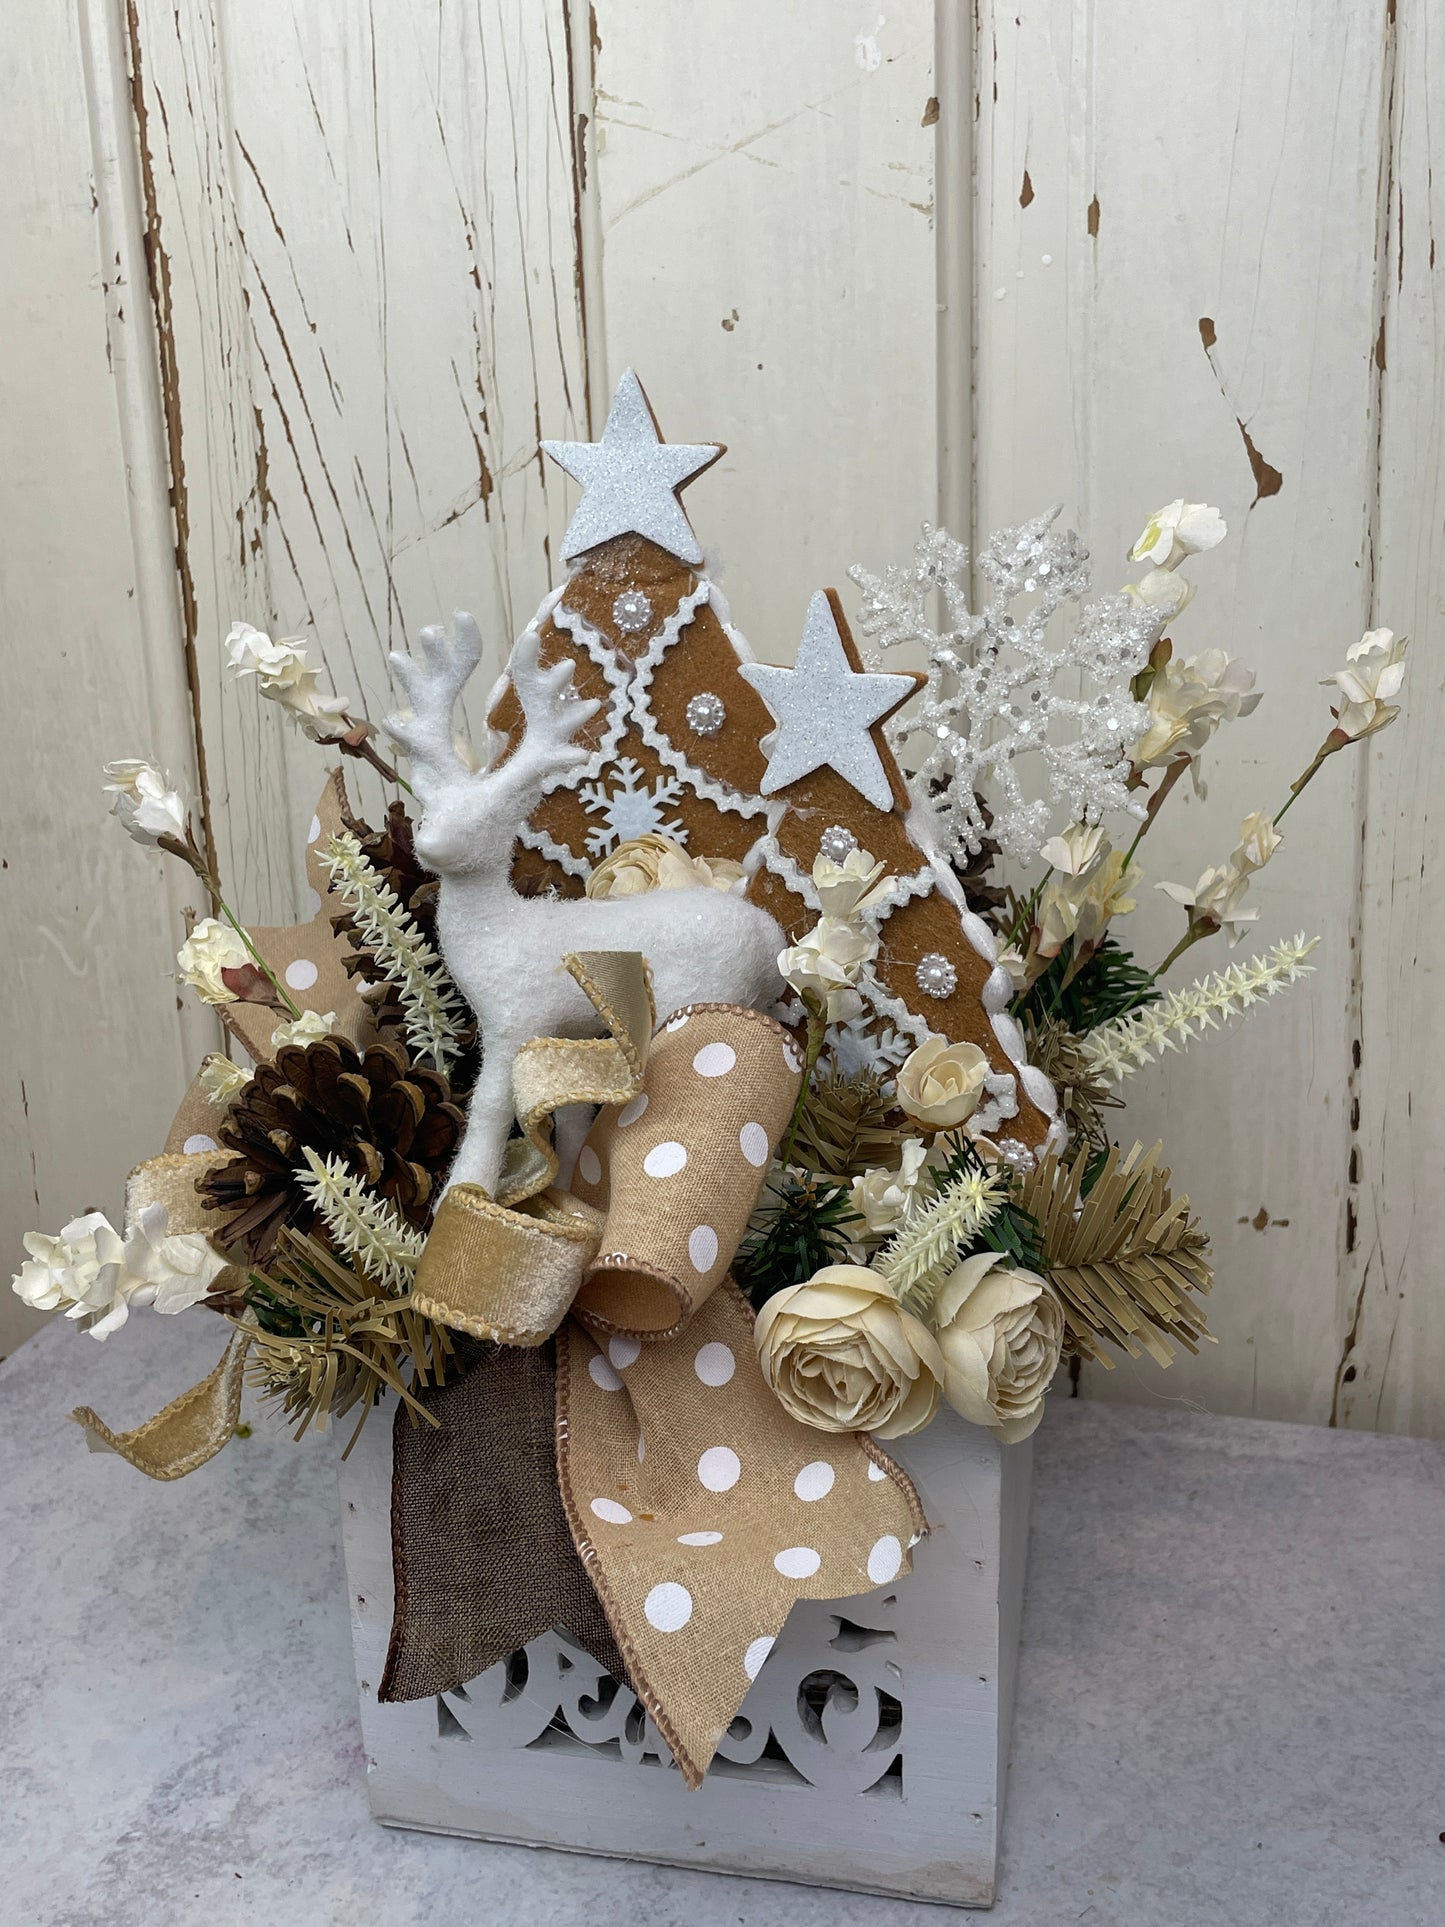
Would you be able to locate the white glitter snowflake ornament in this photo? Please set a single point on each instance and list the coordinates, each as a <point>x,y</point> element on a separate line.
<point>999,691</point>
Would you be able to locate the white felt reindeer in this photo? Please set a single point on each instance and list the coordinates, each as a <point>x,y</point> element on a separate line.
<point>504,951</point>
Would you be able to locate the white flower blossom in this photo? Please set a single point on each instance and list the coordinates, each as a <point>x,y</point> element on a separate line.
<point>309,1028</point>
<point>81,1272</point>
<point>1258,841</point>
<point>1082,906</point>
<point>1180,528</point>
<point>221,1079</point>
<point>1188,700</point>
<point>1217,899</point>
<point>212,947</point>
<point>882,1197</point>
<point>168,1273</point>
<point>144,804</point>
<point>1374,672</point>
<point>286,677</point>
<point>1075,850</point>
<point>1164,591</point>
<point>849,888</point>
<point>828,962</point>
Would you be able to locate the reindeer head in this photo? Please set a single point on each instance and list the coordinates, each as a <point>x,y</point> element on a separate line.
<point>472,818</point>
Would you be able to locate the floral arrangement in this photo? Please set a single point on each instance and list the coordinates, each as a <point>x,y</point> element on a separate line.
<point>427,1161</point>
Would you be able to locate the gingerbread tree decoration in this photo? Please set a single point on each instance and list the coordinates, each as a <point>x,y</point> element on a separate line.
<point>735,758</point>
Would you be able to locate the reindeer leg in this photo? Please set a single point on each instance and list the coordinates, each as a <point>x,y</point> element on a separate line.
<point>489,1121</point>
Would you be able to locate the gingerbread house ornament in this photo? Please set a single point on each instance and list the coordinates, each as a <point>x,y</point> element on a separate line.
<point>736,758</point>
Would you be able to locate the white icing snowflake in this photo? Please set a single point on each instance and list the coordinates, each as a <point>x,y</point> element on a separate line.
<point>865,1045</point>
<point>999,691</point>
<point>629,808</point>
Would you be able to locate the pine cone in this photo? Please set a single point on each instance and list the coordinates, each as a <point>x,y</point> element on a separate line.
<point>395,1125</point>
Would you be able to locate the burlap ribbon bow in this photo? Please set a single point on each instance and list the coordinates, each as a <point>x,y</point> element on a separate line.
<point>700,1510</point>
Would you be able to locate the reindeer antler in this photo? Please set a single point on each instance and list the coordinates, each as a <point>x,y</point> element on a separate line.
<point>433,685</point>
<point>554,715</point>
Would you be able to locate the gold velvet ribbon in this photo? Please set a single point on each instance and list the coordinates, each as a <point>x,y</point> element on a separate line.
<point>189,1431</point>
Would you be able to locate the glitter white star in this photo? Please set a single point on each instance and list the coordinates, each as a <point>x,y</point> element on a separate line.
<point>630,479</point>
<point>825,709</point>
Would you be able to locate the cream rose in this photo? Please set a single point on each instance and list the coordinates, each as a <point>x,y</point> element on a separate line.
<point>1001,1333</point>
<point>828,962</point>
<point>842,1355</point>
<point>942,1084</point>
<point>212,947</point>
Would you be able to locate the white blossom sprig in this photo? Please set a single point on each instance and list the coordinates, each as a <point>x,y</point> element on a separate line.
<point>284,675</point>
<point>1124,1045</point>
<point>362,1225</point>
<point>1000,691</point>
<point>434,1009</point>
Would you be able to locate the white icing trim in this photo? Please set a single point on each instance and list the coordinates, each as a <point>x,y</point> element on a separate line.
<point>666,751</point>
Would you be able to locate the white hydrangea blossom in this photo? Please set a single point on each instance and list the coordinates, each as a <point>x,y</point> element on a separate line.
<point>1000,691</point>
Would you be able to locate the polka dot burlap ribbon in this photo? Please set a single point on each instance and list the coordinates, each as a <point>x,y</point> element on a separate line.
<point>700,1509</point>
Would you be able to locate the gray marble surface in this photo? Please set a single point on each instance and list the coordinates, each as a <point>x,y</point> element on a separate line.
<point>1230,1713</point>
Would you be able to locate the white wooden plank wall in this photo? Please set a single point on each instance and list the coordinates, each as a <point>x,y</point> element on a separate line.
<point>389,247</point>
<point>97,1046</point>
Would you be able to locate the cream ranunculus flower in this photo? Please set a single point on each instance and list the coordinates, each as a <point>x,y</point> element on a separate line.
<point>1258,841</point>
<point>146,807</point>
<point>81,1272</point>
<point>220,1079</point>
<point>169,1273</point>
<point>842,1355</point>
<point>942,1084</point>
<point>1180,528</point>
<point>1076,849</point>
<point>1217,899</point>
<point>1187,702</point>
<point>212,947</point>
<point>285,675</point>
<point>881,1197</point>
<point>683,872</point>
<point>828,962</point>
<point>1001,1333</point>
<point>309,1028</point>
<point>1374,672</point>
<point>846,889</point>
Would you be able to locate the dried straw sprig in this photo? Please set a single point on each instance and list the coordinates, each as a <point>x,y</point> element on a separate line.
<point>1126,1258</point>
<point>338,1339</point>
<point>844,1126</point>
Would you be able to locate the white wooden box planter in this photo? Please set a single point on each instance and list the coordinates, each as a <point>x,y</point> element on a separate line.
<point>870,1753</point>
